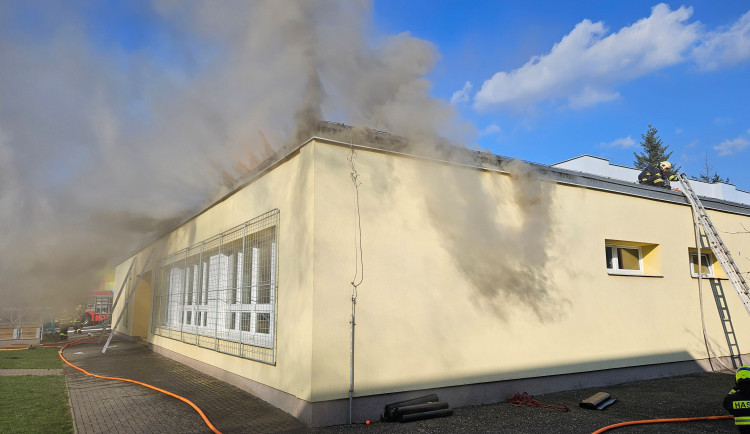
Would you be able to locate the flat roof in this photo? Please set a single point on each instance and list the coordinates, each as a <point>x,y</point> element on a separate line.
<point>450,153</point>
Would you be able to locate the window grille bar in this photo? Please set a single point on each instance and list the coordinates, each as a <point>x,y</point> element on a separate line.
<point>182,303</point>
<point>217,297</point>
<point>237,272</point>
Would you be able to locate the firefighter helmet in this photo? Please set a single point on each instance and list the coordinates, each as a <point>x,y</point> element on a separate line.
<point>743,374</point>
<point>665,165</point>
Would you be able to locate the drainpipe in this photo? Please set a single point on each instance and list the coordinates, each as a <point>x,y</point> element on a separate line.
<point>359,268</point>
<point>351,360</point>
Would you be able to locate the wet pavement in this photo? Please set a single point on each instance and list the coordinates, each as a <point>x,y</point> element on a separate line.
<point>685,396</point>
<point>104,406</point>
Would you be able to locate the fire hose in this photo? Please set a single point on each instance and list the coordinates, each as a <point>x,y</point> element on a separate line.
<point>647,421</point>
<point>523,399</point>
<point>127,380</point>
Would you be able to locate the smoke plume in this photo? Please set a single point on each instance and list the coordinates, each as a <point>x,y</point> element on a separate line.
<point>112,133</point>
<point>498,232</point>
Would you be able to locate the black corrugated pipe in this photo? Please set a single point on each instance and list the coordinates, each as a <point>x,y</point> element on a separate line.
<point>389,411</point>
<point>399,412</point>
<point>426,415</point>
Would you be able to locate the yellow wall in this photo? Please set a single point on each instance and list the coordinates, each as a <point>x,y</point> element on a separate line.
<point>446,300</point>
<point>288,188</point>
<point>469,276</point>
<point>140,311</point>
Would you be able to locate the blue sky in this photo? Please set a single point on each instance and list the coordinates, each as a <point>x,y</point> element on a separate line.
<point>120,117</point>
<point>697,100</point>
<point>542,81</point>
<point>87,82</point>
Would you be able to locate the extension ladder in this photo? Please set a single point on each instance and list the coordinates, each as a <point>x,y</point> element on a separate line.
<point>717,245</point>
<point>123,311</point>
<point>108,322</point>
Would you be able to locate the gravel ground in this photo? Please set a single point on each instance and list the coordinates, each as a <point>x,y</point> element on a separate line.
<point>675,397</point>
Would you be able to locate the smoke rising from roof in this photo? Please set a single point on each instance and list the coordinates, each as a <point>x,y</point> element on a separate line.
<point>105,144</point>
<point>497,231</point>
<point>107,139</point>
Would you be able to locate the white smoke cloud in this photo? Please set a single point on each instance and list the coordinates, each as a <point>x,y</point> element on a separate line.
<point>501,245</point>
<point>102,146</point>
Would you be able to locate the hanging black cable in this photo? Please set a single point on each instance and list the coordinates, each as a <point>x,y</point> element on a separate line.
<point>358,268</point>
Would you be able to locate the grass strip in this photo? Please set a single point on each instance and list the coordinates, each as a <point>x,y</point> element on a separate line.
<point>34,404</point>
<point>38,358</point>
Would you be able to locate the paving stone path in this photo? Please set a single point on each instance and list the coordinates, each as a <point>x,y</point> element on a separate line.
<point>106,406</point>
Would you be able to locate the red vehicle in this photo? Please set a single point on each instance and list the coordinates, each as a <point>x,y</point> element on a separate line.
<point>98,308</point>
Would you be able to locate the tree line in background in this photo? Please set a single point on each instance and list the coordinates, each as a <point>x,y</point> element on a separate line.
<point>655,151</point>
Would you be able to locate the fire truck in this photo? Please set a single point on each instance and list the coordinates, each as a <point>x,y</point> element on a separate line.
<point>97,309</point>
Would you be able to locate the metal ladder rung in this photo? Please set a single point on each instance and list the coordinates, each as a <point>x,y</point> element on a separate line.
<point>123,311</point>
<point>717,245</point>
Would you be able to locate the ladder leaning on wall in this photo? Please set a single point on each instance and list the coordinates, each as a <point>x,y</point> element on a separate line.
<point>717,245</point>
<point>131,292</point>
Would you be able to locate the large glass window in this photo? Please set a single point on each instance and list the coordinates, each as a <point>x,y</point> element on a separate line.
<point>221,293</point>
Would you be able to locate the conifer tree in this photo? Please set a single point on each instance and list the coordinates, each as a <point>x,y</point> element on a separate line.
<point>706,177</point>
<point>654,151</point>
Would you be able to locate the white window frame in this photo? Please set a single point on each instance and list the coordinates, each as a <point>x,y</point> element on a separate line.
<point>253,308</point>
<point>209,285</point>
<point>615,269</point>
<point>174,297</point>
<point>709,264</point>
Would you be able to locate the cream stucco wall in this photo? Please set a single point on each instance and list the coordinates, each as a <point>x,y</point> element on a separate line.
<point>440,304</point>
<point>288,188</point>
<point>469,276</point>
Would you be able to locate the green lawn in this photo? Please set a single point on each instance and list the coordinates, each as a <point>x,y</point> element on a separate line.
<point>38,358</point>
<point>33,403</point>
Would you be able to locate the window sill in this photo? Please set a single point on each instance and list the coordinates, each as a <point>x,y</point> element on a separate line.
<point>614,273</point>
<point>695,276</point>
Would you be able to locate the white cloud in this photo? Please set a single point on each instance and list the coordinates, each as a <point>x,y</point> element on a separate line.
<point>678,131</point>
<point>722,121</point>
<point>623,143</point>
<point>462,95</point>
<point>586,64</point>
<point>730,147</point>
<point>491,129</point>
<point>590,97</point>
<point>726,46</point>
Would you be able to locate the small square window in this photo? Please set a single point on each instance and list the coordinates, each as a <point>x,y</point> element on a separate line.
<point>624,259</point>
<point>706,265</point>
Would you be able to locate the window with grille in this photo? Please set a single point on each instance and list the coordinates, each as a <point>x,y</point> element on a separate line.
<point>221,293</point>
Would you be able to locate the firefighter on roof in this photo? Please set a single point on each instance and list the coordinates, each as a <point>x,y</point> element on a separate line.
<point>737,401</point>
<point>658,177</point>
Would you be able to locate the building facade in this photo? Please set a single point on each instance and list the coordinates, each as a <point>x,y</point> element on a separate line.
<point>480,277</point>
